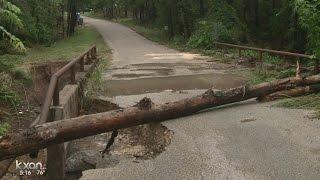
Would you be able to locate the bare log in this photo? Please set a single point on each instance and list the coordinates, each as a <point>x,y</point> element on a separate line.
<point>298,91</point>
<point>44,135</point>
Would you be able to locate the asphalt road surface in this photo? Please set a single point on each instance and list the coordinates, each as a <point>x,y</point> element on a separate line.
<point>247,140</point>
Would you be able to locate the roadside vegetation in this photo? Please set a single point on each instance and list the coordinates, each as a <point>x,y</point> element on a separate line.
<point>15,75</point>
<point>194,25</point>
<point>310,102</point>
<point>36,33</point>
<point>41,31</point>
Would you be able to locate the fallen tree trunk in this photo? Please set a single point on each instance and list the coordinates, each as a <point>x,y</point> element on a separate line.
<point>298,91</point>
<point>44,135</point>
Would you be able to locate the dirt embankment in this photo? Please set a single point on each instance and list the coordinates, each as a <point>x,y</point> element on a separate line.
<point>31,97</point>
<point>141,142</point>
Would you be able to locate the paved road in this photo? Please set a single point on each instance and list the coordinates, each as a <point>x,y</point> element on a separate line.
<point>246,140</point>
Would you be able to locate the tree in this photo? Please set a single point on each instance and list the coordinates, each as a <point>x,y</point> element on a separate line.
<point>9,20</point>
<point>308,11</point>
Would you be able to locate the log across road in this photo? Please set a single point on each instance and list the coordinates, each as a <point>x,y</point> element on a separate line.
<point>145,111</point>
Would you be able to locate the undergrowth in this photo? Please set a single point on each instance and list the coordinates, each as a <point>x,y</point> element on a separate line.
<point>310,102</point>
<point>4,128</point>
<point>254,75</point>
<point>95,82</point>
<point>14,71</point>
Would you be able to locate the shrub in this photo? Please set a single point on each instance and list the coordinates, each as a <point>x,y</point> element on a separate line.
<point>221,24</point>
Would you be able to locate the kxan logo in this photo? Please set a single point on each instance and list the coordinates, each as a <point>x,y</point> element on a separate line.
<point>30,166</point>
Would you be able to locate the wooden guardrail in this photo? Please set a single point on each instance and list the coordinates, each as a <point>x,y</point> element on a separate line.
<point>269,51</point>
<point>52,96</point>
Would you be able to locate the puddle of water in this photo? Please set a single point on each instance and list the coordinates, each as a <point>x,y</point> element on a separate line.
<point>159,71</point>
<point>158,84</point>
<point>131,75</point>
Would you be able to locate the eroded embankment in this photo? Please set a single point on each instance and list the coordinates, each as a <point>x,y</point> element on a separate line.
<point>142,142</point>
<point>31,96</point>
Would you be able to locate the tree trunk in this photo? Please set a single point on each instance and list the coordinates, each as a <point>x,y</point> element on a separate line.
<point>44,135</point>
<point>126,13</point>
<point>201,8</point>
<point>170,24</point>
<point>299,91</point>
<point>72,17</point>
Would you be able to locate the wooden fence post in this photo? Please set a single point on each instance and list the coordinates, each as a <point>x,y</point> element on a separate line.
<point>298,72</point>
<point>56,154</point>
<point>73,75</point>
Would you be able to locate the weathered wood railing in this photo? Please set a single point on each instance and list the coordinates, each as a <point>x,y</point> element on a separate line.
<point>275,52</point>
<point>52,99</point>
<point>52,96</point>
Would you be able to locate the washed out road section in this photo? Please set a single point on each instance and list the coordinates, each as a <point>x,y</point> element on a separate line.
<point>247,140</point>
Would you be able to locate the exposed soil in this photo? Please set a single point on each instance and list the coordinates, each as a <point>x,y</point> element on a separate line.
<point>145,142</point>
<point>32,97</point>
<point>41,75</point>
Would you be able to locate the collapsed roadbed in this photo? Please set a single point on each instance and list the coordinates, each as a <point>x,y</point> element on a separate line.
<point>44,135</point>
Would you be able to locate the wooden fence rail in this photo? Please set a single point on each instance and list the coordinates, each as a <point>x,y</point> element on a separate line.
<point>52,96</point>
<point>275,52</point>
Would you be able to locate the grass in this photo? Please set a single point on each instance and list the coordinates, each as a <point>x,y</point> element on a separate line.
<point>94,83</point>
<point>4,128</point>
<point>62,50</point>
<point>257,76</point>
<point>310,102</point>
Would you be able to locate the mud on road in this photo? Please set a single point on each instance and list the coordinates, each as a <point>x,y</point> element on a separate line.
<point>246,140</point>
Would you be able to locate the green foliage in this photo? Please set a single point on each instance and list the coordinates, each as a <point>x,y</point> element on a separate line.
<point>209,32</point>
<point>221,24</point>
<point>8,97</point>
<point>7,66</point>
<point>257,76</point>
<point>22,76</point>
<point>10,21</point>
<point>40,19</point>
<point>4,127</point>
<point>287,73</point>
<point>94,83</point>
<point>310,102</point>
<point>308,11</point>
